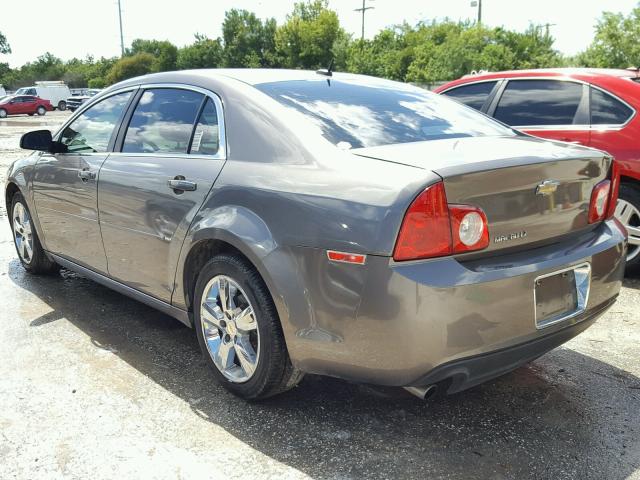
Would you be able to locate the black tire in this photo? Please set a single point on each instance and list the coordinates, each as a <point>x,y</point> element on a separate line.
<point>3,113</point>
<point>631,194</point>
<point>62,105</point>
<point>41,111</point>
<point>39,264</point>
<point>274,372</point>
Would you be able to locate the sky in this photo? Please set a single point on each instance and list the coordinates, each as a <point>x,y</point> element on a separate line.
<point>76,28</point>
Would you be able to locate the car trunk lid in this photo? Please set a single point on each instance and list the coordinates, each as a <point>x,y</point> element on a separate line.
<point>531,190</point>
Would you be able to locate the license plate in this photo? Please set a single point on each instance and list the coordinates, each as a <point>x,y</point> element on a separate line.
<point>562,294</point>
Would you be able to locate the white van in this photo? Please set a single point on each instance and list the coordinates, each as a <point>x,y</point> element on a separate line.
<point>56,92</point>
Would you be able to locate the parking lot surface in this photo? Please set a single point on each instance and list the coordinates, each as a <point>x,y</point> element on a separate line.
<point>94,385</point>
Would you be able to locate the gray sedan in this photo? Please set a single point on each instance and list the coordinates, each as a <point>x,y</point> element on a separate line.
<point>325,223</point>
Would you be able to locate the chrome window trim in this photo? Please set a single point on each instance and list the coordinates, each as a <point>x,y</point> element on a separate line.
<point>560,127</point>
<point>217,101</point>
<point>582,273</point>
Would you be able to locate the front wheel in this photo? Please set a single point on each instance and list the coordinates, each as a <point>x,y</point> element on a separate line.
<point>25,238</point>
<point>41,111</point>
<point>628,213</point>
<point>239,330</point>
<point>3,113</point>
<point>62,105</point>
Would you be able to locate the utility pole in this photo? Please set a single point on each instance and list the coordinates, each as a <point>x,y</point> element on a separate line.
<point>363,10</point>
<point>478,4</point>
<point>547,25</point>
<point>121,36</point>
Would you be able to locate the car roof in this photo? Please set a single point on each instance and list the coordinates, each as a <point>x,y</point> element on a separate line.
<point>255,76</point>
<point>569,71</point>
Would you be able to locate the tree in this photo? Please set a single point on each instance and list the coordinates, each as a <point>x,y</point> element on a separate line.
<point>165,53</point>
<point>616,42</point>
<point>248,42</point>
<point>308,37</point>
<point>131,66</point>
<point>4,44</point>
<point>203,53</point>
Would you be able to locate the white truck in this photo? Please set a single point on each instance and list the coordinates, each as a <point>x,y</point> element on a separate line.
<point>3,92</point>
<point>56,92</point>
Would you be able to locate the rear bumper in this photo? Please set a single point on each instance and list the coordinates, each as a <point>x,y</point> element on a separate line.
<point>469,372</point>
<point>411,323</point>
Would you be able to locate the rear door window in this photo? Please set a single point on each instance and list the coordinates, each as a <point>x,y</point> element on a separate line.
<point>473,95</point>
<point>163,121</point>
<point>607,110</point>
<point>539,102</point>
<point>206,137</point>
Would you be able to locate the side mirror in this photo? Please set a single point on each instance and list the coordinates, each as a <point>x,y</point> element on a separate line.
<point>38,140</point>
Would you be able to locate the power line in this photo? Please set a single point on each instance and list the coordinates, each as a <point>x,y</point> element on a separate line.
<point>363,10</point>
<point>121,35</point>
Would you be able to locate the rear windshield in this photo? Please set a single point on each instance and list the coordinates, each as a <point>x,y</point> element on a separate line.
<point>369,113</point>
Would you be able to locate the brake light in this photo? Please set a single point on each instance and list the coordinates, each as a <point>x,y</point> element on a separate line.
<point>433,228</point>
<point>615,188</point>
<point>599,201</point>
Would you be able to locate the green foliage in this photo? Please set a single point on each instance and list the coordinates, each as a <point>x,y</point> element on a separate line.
<point>616,42</point>
<point>165,53</point>
<point>131,66</point>
<point>248,41</point>
<point>308,37</point>
<point>4,44</point>
<point>203,53</point>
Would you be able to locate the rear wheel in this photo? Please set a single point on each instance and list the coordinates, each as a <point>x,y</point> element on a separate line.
<point>25,237</point>
<point>239,330</point>
<point>41,110</point>
<point>3,113</point>
<point>62,105</point>
<point>628,212</point>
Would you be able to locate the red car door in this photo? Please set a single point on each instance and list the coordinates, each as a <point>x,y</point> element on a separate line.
<point>29,105</point>
<point>556,109</point>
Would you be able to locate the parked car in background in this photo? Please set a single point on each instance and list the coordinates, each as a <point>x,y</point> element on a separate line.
<point>327,223</point>
<point>3,92</point>
<point>75,101</point>
<point>593,107</point>
<point>56,92</point>
<point>23,104</point>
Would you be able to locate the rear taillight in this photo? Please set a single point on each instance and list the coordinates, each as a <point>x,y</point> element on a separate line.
<point>615,188</point>
<point>599,201</point>
<point>432,228</point>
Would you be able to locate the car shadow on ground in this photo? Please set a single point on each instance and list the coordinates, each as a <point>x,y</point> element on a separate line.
<point>567,415</point>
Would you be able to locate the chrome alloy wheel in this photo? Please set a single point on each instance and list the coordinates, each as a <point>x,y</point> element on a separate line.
<point>22,232</point>
<point>230,329</point>
<point>629,216</point>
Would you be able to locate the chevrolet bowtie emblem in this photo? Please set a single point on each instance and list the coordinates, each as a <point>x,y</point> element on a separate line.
<point>547,187</point>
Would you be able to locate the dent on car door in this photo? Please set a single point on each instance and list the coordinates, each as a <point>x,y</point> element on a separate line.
<point>65,184</point>
<point>547,108</point>
<point>149,192</point>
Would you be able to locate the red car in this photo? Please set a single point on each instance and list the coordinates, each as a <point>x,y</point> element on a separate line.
<point>595,107</point>
<point>24,104</point>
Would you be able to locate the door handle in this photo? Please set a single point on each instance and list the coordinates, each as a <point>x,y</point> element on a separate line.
<point>86,175</point>
<point>179,185</point>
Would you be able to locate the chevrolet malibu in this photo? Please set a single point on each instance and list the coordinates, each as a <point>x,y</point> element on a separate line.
<point>316,222</point>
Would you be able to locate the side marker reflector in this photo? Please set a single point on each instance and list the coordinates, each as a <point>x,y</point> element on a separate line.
<point>344,257</point>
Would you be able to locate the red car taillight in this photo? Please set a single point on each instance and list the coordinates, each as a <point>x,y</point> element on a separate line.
<point>615,188</point>
<point>432,228</point>
<point>599,201</point>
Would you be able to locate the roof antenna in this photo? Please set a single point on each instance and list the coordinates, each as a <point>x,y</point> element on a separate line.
<point>328,72</point>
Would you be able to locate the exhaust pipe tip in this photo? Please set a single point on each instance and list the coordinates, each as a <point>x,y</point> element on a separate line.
<point>423,393</point>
